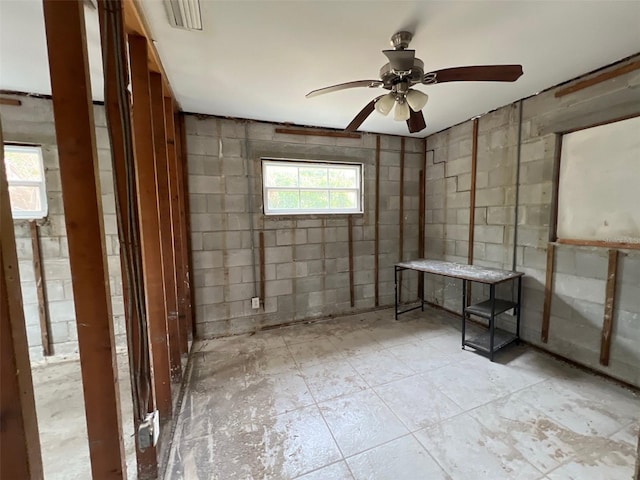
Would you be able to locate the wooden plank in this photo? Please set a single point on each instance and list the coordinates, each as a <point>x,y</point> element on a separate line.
<point>78,158</point>
<point>175,218</point>
<point>548,293</point>
<point>317,133</point>
<point>472,201</point>
<point>599,243</point>
<point>118,114</point>
<point>421,218</point>
<point>401,219</point>
<point>609,305</point>
<point>149,224</point>
<point>589,82</point>
<point>263,282</point>
<point>14,102</point>
<point>20,455</point>
<point>164,223</point>
<point>377,228</point>
<point>553,227</point>
<point>43,313</point>
<point>352,295</point>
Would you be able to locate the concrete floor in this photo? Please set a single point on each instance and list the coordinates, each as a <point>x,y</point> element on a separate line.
<point>365,397</point>
<point>62,423</point>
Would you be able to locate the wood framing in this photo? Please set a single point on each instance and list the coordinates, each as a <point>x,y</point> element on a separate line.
<point>352,295</point>
<point>376,259</point>
<point>14,102</point>
<point>581,85</point>
<point>20,455</point>
<point>401,218</point>
<point>75,135</point>
<point>317,133</point>
<point>599,243</point>
<point>164,223</point>
<point>149,224</point>
<point>43,312</point>
<point>609,305</point>
<point>548,293</point>
<point>472,201</point>
<point>422,213</point>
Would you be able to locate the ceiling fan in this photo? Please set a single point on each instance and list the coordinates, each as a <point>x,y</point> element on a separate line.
<point>402,72</point>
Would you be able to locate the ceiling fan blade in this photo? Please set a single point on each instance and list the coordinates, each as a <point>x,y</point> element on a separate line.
<point>344,86</point>
<point>400,60</point>
<point>362,115</point>
<point>416,121</point>
<point>479,73</point>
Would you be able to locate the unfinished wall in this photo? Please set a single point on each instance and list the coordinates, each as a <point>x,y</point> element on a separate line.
<point>32,123</point>
<point>306,257</point>
<point>580,273</point>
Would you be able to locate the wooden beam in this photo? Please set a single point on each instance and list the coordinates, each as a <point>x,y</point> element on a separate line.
<point>317,133</point>
<point>43,313</point>
<point>421,220</point>
<point>609,305</point>
<point>553,227</point>
<point>262,270</point>
<point>20,455</point>
<point>175,218</point>
<point>377,228</point>
<point>164,222</point>
<point>472,201</point>
<point>149,224</point>
<point>548,293</point>
<point>401,219</point>
<point>352,295</point>
<point>599,243</point>
<point>14,102</point>
<point>581,85</point>
<point>75,135</point>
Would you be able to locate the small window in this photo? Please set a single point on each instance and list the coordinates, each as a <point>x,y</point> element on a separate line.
<point>299,187</point>
<point>25,175</point>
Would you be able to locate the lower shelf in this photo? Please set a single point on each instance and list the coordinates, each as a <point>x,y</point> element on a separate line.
<point>501,338</point>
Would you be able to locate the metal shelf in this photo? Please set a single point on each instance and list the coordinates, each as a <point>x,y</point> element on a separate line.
<point>483,309</point>
<point>501,339</point>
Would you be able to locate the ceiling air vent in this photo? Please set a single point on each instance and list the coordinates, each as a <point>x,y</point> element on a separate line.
<point>184,14</point>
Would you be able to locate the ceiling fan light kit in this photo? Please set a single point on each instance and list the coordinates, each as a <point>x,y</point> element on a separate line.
<point>184,14</point>
<point>405,70</point>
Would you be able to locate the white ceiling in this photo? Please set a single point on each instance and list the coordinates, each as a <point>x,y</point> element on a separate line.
<point>258,59</point>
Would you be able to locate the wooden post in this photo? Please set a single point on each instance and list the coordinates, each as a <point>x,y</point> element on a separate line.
<point>472,202</point>
<point>149,223</point>
<point>43,313</point>
<point>19,439</point>
<point>164,219</point>
<point>609,305</point>
<point>376,271</point>
<point>175,219</point>
<point>548,293</point>
<point>352,295</point>
<point>118,113</point>
<point>421,220</point>
<point>75,135</point>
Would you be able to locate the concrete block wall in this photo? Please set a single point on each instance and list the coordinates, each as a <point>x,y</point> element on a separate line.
<point>33,123</point>
<point>306,257</point>
<point>579,279</point>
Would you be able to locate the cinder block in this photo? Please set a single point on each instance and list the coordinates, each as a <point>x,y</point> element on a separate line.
<point>276,288</point>
<point>205,184</point>
<point>207,259</point>
<point>490,196</point>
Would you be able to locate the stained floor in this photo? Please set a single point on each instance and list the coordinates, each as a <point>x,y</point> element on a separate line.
<point>366,397</point>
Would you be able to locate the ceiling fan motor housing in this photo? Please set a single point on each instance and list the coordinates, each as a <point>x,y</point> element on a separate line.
<point>390,78</point>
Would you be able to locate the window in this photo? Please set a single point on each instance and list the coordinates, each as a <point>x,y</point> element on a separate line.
<point>300,187</point>
<point>25,175</point>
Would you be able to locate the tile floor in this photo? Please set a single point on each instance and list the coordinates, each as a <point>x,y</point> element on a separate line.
<point>365,397</point>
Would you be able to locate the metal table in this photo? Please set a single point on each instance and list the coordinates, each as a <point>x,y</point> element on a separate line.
<point>494,339</point>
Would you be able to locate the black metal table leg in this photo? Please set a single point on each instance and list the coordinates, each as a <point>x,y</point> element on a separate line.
<point>492,320</point>
<point>519,309</point>
<point>395,281</point>
<point>422,292</point>
<point>464,306</point>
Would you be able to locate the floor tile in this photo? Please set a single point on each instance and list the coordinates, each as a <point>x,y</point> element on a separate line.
<point>400,459</point>
<point>335,471</point>
<point>355,343</point>
<point>612,462</point>
<point>315,352</point>
<point>332,379</point>
<point>417,402</point>
<point>380,367</point>
<point>278,393</point>
<point>476,453</point>
<point>360,421</point>
<point>422,357</point>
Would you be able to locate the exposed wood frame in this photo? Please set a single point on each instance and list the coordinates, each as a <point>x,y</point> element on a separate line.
<point>352,295</point>
<point>20,454</point>
<point>43,311</point>
<point>149,224</point>
<point>557,153</point>
<point>14,102</point>
<point>598,243</point>
<point>472,201</point>
<point>421,219</point>
<point>78,158</point>
<point>609,306</point>
<point>317,133</point>
<point>164,223</point>
<point>581,85</point>
<point>548,293</point>
<point>376,268</point>
<point>401,218</point>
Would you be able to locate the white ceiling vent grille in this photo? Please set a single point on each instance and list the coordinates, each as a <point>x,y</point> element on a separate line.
<point>184,14</point>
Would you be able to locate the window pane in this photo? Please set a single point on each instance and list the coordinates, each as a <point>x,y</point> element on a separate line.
<point>281,176</point>
<point>25,198</point>
<point>22,164</point>
<point>314,199</point>
<point>283,199</point>
<point>313,177</point>
<point>344,200</point>
<point>343,178</point>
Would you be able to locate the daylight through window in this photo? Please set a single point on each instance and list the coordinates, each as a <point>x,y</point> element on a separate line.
<point>25,175</point>
<point>297,187</point>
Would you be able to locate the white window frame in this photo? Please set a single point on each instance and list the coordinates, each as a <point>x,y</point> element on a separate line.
<point>30,214</point>
<point>357,167</point>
